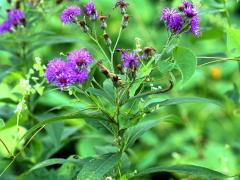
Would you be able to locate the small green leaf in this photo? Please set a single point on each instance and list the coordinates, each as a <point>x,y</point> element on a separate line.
<point>186,61</point>
<point>2,123</point>
<point>165,66</point>
<point>95,169</point>
<point>196,171</point>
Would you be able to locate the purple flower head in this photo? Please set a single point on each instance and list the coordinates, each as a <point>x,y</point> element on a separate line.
<point>90,10</point>
<point>60,73</point>
<point>80,58</point>
<point>194,25</point>
<point>173,19</point>
<point>69,14</point>
<point>16,16</point>
<point>130,59</point>
<point>6,26</point>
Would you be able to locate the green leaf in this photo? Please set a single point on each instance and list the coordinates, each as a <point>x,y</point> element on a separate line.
<point>133,133</point>
<point>233,43</point>
<point>2,123</point>
<point>48,162</point>
<point>179,100</point>
<point>95,169</point>
<point>186,169</point>
<point>165,66</point>
<point>186,62</point>
<point>77,115</point>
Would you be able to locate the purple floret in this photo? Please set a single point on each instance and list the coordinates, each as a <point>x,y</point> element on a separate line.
<point>187,4</point>
<point>194,23</point>
<point>6,26</point>
<point>69,14</point>
<point>90,10</point>
<point>82,75</point>
<point>173,19</point>
<point>60,73</point>
<point>80,58</point>
<point>16,16</point>
<point>130,59</point>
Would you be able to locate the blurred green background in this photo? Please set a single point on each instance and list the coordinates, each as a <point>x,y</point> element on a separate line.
<point>201,134</point>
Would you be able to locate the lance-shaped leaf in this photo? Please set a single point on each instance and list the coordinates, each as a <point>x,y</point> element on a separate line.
<point>193,170</point>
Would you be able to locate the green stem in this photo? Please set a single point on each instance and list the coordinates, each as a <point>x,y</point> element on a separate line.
<point>98,44</point>
<point>115,46</point>
<point>217,59</point>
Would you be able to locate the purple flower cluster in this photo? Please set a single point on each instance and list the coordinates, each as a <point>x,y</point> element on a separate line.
<point>90,10</point>
<point>63,74</point>
<point>130,59</point>
<point>70,14</point>
<point>178,20</point>
<point>15,18</point>
<point>173,19</point>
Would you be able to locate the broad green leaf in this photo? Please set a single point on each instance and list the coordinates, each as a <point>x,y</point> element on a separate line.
<point>196,171</point>
<point>95,169</point>
<point>179,100</point>
<point>186,61</point>
<point>133,133</point>
<point>233,43</point>
<point>148,122</point>
<point>10,136</point>
<point>2,123</point>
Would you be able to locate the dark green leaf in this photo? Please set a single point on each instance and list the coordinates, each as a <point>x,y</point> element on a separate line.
<point>95,169</point>
<point>48,162</point>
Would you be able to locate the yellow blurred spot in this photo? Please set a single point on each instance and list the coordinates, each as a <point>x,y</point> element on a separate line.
<point>216,72</point>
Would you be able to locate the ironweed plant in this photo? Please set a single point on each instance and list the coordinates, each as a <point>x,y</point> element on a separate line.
<point>126,104</point>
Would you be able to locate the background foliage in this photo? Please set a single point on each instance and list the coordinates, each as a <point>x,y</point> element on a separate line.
<point>196,133</point>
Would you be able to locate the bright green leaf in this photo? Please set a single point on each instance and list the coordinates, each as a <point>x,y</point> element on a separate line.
<point>186,62</point>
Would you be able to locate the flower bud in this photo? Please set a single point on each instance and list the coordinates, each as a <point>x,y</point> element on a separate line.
<point>181,8</point>
<point>84,26</point>
<point>122,5</point>
<point>107,39</point>
<point>103,22</point>
<point>59,1</point>
<point>120,68</point>
<point>18,4</point>
<point>125,20</point>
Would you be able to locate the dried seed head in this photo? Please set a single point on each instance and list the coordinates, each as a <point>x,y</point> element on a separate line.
<point>125,20</point>
<point>83,25</point>
<point>107,39</point>
<point>148,52</point>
